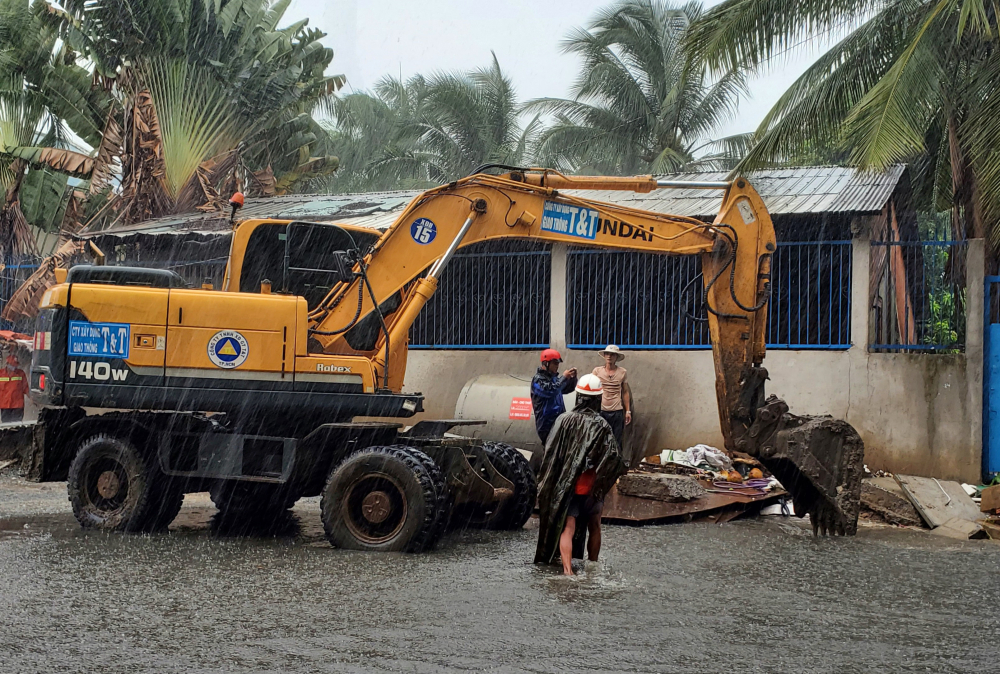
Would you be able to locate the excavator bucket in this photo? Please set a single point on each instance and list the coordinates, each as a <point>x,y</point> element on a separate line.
<point>818,459</point>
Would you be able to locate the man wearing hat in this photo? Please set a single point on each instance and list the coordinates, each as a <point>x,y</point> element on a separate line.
<point>616,403</point>
<point>547,390</point>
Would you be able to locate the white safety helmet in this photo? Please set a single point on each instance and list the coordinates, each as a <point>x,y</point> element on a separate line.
<point>589,385</point>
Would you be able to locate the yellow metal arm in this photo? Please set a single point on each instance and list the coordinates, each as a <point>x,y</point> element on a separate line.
<point>736,250</point>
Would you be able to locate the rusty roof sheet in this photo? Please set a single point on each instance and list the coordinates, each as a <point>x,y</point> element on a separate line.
<point>312,207</point>
<point>787,191</point>
<point>801,190</point>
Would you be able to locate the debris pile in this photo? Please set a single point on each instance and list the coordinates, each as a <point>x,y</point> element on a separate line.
<point>700,482</point>
<point>944,507</point>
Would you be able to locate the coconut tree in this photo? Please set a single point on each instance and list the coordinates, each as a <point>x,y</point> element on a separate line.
<point>376,136</point>
<point>909,81</point>
<point>425,131</point>
<point>473,118</point>
<point>640,104</point>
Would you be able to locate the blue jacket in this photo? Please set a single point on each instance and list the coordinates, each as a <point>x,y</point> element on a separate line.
<point>547,391</point>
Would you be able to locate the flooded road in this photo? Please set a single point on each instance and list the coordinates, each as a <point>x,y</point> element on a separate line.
<point>750,596</point>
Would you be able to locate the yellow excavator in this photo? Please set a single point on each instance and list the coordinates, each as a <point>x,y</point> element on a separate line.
<point>151,389</point>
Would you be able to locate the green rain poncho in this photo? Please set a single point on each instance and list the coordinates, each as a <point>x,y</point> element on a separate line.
<point>579,438</point>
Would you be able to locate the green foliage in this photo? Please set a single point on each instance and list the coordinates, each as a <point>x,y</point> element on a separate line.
<point>912,81</point>
<point>44,194</point>
<point>641,104</point>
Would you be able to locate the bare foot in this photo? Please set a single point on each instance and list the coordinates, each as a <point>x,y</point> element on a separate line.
<point>568,572</point>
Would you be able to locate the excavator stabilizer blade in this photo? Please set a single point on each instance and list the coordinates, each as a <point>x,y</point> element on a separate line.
<point>818,459</point>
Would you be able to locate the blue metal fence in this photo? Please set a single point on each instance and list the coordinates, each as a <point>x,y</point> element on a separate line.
<point>488,300</point>
<point>649,301</point>
<point>917,296</point>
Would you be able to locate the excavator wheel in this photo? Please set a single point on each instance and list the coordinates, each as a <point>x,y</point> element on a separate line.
<point>237,499</point>
<point>445,499</point>
<point>385,499</point>
<point>515,511</point>
<point>167,504</point>
<point>112,486</point>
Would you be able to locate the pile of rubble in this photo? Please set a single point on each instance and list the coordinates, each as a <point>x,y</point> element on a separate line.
<point>698,483</point>
<point>944,507</point>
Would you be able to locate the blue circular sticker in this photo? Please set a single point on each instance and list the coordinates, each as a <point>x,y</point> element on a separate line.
<point>228,349</point>
<point>423,231</point>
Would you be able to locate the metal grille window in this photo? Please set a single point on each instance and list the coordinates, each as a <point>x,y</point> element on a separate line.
<point>650,301</point>
<point>15,272</point>
<point>491,296</point>
<point>917,294</point>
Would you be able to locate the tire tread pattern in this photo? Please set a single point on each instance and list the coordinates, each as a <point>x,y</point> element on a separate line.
<point>429,481</point>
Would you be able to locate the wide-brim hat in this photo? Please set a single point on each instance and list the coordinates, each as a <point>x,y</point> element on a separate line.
<point>611,348</point>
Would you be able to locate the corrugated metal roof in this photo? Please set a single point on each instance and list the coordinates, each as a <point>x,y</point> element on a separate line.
<point>787,191</point>
<point>312,207</point>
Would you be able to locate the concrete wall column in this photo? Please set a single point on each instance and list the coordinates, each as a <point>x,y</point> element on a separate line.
<point>975,276</point>
<point>557,298</point>
<point>858,353</point>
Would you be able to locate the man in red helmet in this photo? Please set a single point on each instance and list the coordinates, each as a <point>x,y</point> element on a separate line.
<point>547,390</point>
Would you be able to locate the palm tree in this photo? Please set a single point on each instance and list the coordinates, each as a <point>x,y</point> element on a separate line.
<point>376,136</point>
<point>426,131</point>
<point>640,104</point>
<point>207,95</point>
<point>911,81</point>
<point>470,119</point>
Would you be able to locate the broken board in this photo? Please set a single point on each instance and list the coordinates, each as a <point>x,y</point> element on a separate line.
<point>939,501</point>
<point>621,508</point>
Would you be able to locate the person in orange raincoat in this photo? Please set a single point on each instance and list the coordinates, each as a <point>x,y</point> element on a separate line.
<point>13,388</point>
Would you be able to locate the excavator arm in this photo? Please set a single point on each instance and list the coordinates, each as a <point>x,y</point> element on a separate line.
<point>736,251</point>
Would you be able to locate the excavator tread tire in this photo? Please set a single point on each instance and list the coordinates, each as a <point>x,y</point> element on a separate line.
<point>383,499</point>
<point>516,510</point>
<point>112,486</point>
<point>168,504</point>
<point>237,498</point>
<point>445,499</point>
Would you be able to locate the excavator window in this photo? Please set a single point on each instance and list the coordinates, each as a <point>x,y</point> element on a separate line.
<point>310,271</point>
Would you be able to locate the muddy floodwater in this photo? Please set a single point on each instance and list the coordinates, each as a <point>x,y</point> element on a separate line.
<point>748,596</point>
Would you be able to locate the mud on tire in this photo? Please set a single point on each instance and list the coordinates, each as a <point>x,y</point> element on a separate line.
<point>445,499</point>
<point>515,511</point>
<point>113,486</point>
<point>384,499</point>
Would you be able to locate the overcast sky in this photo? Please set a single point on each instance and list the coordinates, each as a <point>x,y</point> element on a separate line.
<point>372,38</point>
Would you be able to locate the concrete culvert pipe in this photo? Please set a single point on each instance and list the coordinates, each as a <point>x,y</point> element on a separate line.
<point>504,402</point>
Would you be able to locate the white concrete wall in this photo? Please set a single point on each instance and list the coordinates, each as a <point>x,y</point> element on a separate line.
<point>919,413</point>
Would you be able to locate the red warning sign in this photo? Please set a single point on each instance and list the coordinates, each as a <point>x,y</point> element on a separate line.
<point>520,408</point>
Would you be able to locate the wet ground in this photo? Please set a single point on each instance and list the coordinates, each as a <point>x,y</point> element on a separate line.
<point>748,596</point>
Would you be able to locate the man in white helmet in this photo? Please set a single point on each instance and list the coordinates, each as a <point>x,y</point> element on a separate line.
<point>582,462</point>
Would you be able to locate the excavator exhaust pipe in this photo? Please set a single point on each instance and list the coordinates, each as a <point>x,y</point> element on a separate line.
<point>818,459</point>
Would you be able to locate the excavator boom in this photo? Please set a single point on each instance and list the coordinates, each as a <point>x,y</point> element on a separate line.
<point>819,466</point>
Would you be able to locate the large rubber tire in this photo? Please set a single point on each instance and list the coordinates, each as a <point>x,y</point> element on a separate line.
<point>241,499</point>
<point>514,512</point>
<point>444,498</point>
<point>169,501</point>
<point>112,486</point>
<point>385,499</point>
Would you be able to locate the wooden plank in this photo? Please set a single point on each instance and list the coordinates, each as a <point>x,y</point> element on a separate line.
<point>629,508</point>
<point>938,501</point>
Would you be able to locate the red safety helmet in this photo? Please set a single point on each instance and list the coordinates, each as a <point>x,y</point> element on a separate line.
<point>550,354</point>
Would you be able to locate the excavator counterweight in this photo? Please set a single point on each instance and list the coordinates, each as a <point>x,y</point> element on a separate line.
<point>251,390</point>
